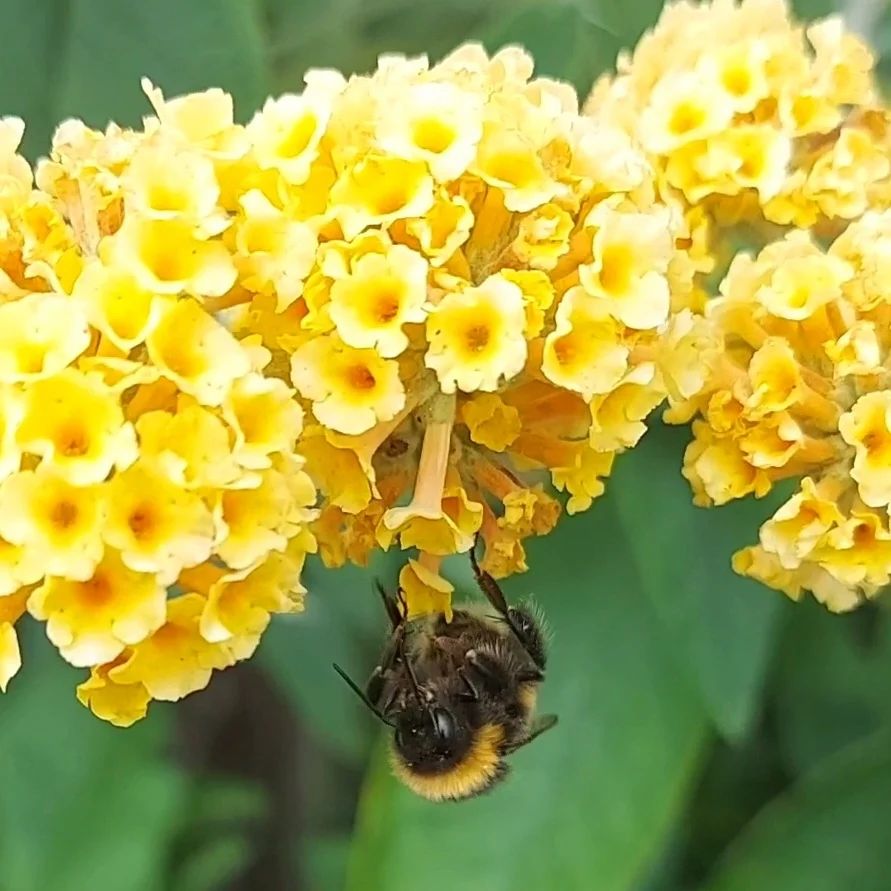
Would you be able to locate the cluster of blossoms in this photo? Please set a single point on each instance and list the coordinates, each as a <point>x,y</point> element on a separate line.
<point>755,121</point>
<point>749,116</point>
<point>153,510</point>
<point>802,388</point>
<point>423,291</point>
<point>471,286</point>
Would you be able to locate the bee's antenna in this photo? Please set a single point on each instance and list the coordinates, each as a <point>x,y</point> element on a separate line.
<point>355,688</point>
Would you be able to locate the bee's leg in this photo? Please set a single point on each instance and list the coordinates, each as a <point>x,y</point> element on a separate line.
<point>471,694</point>
<point>389,658</point>
<point>523,625</point>
<point>395,606</point>
<point>542,725</point>
<point>488,673</point>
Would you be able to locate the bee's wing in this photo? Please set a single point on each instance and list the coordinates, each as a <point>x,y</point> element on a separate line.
<point>541,725</point>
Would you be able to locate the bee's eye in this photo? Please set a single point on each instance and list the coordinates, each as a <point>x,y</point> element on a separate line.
<point>444,724</point>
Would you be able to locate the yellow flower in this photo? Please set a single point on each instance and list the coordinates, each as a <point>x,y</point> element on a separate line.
<point>274,253</point>
<point>192,446</point>
<point>12,606</point>
<point>117,305</point>
<point>94,620</point>
<point>11,411</point>
<point>437,123</point>
<point>378,296</point>
<point>510,161</point>
<point>426,592</point>
<point>631,253</point>
<point>167,256</point>
<point>75,423</point>
<point>286,134</point>
<point>175,660</point>
<point>39,335</point>
<point>18,567</point>
<point>196,352</point>
<point>165,182</point>
<point>798,526</point>
<point>350,389</point>
<point>476,336</point>
<point>204,120</point>
<point>239,604</point>
<point>120,704</point>
<point>264,417</point>
<point>685,107</point>
<point>439,519</point>
<point>378,190</point>
<point>59,524</point>
<point>156,526</point>
<point>441,231</point>
<point>805,281</point>
<point>253,521</point>
<point>543,236</point>
<point>584,352</point>
<point>490,422</point>
<point>867,427</point>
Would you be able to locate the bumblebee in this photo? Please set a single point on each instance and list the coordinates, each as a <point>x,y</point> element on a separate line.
<point>460,695</point>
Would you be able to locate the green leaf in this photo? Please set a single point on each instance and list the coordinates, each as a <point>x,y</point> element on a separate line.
<point>833,682</point>
<point>829,832</point>
<point>720,626</point>
<point>600,790</point>
<point>85,58</point>
<point>342,623</point>
<point>83,803</point>
<point>565,43</point>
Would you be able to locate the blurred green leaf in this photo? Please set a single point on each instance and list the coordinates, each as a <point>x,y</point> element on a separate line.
<point>325,858</point>
<point>601,789</point>
<point>85,58</point>
<point>833,683</point>
<point>832,831</point>
<point>343,623</point>
<point>83,803</point>
<point>720,625</point>
<point>564,42</point>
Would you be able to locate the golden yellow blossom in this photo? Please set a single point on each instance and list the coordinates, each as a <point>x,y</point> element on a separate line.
<point>156,526</point>
<point>12,607</point>
<point>476,336</point>
<point>175,660</point>
<point>92,621</point>
<point>350,389</point>
<point>39,335</point>
<point>75,423</point>
<point>196,352</point>
<point>60,524</point>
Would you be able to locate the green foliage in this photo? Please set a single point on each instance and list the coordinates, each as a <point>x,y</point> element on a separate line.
<point>83,804</point>
<point>712,736</point>
<point>630,733</point>
<point>721,625</point>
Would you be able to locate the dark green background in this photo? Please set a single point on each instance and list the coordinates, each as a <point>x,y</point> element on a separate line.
<point>712,736</point>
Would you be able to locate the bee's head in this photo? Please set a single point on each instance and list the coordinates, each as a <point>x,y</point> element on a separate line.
<point>431,740</point>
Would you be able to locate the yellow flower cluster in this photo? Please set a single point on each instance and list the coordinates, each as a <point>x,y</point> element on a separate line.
<point>153,509</point>
<point>802,388</point>
<point>469,284</point>
<point>749,115</point>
